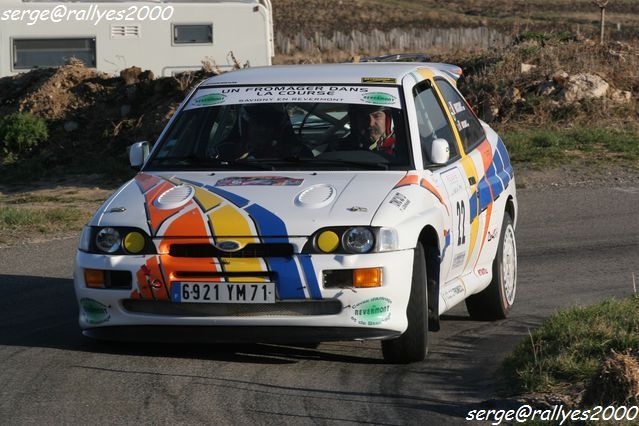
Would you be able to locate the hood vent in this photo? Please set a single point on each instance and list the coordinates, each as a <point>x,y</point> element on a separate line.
<point>316,196</point>
<point>175,197</point>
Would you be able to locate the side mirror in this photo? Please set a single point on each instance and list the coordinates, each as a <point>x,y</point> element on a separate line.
<point>138,153</point>
<point>440,152</point>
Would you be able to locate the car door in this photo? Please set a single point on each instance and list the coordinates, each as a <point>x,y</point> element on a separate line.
<point>434,123</point>
<point>470,134</point>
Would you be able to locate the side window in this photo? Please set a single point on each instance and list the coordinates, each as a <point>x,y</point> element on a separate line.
<point>470,130</point>
<point>432,122</point>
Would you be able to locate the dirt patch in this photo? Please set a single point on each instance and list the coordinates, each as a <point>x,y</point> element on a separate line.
<point>579,173</point>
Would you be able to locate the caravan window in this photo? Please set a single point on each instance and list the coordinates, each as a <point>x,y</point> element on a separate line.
<point>40,53</point>
<point>190,34</point>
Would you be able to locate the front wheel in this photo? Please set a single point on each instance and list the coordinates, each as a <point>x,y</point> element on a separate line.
<point>412,345</point>
<point>497,299</point>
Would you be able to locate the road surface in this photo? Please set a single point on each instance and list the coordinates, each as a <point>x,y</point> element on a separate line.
<point>576,246</point>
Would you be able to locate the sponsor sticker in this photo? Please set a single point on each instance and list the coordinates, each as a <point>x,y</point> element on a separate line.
<point>458,260</point>
<point>372,311</point>
<point>379,98</point>
<point>400,201</point>
<point>450,293</point>
<point>94,312</point>
<point>376,95</point>
<point>259,181</point>
<point>210,99</point>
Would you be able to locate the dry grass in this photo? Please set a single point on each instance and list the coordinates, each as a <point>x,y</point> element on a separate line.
<point>47,213</point>
<point>615,382</point>
<point>293,17</point>
<point>568,349</point>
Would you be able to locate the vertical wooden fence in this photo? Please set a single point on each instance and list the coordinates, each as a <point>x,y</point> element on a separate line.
<point>420,40</point>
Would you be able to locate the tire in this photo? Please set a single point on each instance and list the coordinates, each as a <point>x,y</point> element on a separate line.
<point>496,301</point>
<point>412,345</point>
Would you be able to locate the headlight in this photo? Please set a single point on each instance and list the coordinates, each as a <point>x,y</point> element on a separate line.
<point>108,240</point>
<point>85,239</point>
<point>358,240</point>
<point>352,240</point>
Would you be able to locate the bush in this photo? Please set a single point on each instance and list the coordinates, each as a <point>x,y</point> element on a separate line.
<point>20,133</point>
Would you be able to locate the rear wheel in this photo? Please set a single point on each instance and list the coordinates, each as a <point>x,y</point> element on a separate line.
<point>497,299</point>
<point>412,345</point>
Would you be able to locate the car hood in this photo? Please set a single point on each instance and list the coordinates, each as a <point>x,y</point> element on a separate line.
<point>272,204</point>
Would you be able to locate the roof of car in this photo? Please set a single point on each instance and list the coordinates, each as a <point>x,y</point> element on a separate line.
<point>351,73</point>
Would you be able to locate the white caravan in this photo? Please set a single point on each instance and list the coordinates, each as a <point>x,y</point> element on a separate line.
<point>166,37</point>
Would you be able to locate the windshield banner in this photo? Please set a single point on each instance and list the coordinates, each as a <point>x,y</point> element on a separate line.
<point>364,95</point>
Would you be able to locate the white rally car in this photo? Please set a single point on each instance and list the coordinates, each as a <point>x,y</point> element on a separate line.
<point>307,203</point>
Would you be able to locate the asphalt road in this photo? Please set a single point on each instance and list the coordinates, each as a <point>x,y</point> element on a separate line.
<point>576,246</point>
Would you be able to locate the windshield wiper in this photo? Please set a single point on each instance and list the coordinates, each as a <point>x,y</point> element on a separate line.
<point>328,162</point>
<point>192,160</point>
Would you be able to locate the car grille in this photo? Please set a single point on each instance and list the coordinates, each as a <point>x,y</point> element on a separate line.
<point>293,308</point>
<point>225,275</point>
<point>250,250</point>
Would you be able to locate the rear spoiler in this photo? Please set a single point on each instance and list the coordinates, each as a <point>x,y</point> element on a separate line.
<point>453,71</point>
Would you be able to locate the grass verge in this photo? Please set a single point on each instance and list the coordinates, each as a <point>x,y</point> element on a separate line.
<point>542,146</point>
<point>23,223</point>
<point>568,349</point>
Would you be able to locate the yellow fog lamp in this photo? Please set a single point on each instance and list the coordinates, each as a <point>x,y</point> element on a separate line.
<point>134,242</point>
<point>367,277</point>
<point>328,241</point>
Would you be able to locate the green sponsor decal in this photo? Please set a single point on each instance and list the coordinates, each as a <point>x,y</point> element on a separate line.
<point>210,99</point>
<point>94,311</point>
<point>372,311</point>
<point>379,98</point>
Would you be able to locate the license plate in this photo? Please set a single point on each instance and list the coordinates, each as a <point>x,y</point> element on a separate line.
<point>191,292</point>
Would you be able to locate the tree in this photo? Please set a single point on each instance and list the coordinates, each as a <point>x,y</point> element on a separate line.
<point>601,4</point>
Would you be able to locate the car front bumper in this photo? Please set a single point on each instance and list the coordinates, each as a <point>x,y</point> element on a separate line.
<point>323,315</point>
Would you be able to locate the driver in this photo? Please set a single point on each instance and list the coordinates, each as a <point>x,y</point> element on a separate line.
<point>372,128</point>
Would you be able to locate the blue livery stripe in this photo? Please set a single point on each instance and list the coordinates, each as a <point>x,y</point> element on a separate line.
<point>267,223</point>
<point>289,283</point>
<point>472,204</point>
<point>503,175</point>
<point>484,194</point>
<point>494,181</point>
<point>508,168</point>
<point>235,199</point>
<point>311,278</point>
<point>447,244</point>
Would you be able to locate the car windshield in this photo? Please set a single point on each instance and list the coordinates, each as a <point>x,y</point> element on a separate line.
<point>287,128</point>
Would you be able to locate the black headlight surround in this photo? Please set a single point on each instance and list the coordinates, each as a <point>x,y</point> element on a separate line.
<point>311,245</point>
<point>149,247</point>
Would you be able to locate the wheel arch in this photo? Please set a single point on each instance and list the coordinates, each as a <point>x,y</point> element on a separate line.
<point>429,239</point>
<point>511,209</point>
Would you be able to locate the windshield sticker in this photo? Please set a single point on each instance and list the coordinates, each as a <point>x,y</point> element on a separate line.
<point>259,181</point>
<point>382,80</point>
<point>211,99</point>
<point>372,311</point>
<point>379,98</point>
<point>363,95</point>
<point>457,107</point>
